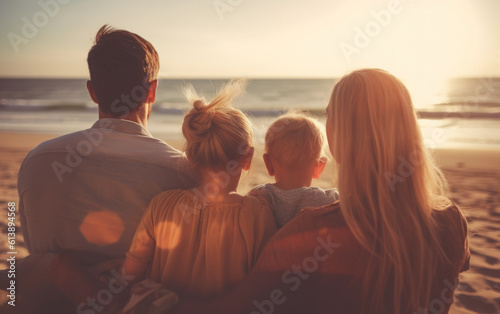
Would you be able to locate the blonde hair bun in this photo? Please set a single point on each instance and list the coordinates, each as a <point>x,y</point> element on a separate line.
<point>216,132</point>
<point>198,122</point>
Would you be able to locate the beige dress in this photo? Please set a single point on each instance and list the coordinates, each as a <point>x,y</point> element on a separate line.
<point>201,248</point>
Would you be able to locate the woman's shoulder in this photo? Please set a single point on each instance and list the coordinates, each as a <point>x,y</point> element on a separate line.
<point>255,204</point>
<point>255,200</point>
<point>169,194</point>
<point>452,225</point>
<point>453,234</point>
<point>170,200</point>
<point>451,217</point>
<point>256,220</point>
<point>450,211</point>
<point>255,210</point>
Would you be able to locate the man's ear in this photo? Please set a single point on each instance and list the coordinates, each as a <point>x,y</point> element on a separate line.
<point>248,159</point>
<point>320,166</point>
<point>91,92</point>
<point>269,164</point>
<point>152,91</point>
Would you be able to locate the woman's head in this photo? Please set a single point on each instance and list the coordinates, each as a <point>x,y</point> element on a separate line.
<point>373,133</point>
<point>370,111</point>
<point>216,133</point>
<point>388,184</point>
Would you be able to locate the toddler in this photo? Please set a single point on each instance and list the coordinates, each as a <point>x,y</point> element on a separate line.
<point>294,156</point>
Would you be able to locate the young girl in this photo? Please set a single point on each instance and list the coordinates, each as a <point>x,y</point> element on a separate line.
<point>294,157</point>
<point>204,240</point>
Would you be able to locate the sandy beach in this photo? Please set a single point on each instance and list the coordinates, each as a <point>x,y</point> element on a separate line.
<point>473,175</point>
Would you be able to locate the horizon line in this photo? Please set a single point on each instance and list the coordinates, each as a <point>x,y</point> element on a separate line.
<point>223,77</point>
<point>176,77</point>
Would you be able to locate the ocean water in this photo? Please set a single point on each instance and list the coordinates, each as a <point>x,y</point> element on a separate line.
<point>460,113</point>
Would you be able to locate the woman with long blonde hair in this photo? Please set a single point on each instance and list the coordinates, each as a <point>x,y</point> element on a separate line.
<point>390,189</point>
<point>394,243</point>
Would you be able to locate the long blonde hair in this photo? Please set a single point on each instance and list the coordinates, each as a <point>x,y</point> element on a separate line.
<point>388,186</point>
<point>216,132</point>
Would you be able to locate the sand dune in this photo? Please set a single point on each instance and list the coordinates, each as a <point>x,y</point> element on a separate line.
<point>474,178</point>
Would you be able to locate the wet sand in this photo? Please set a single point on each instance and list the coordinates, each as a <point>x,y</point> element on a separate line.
<point>473,175</point>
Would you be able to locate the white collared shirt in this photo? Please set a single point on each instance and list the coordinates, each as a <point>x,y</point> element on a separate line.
<point>86,191</point>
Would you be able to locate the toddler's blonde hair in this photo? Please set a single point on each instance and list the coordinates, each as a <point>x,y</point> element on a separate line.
<point>216,133</point>
<point>295,138</point>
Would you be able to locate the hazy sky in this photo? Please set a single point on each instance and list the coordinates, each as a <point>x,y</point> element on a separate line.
<point>428,39</point>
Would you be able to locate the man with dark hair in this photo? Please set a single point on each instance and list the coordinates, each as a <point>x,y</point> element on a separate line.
<point>86,191</point>
<point>123,68</point>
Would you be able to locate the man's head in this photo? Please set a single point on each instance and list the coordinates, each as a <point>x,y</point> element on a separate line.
<point>123,69</point>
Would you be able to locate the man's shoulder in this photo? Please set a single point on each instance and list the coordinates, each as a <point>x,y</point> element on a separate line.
<point>55,145</point>
<point>108,148</point>
<point>94,141</point>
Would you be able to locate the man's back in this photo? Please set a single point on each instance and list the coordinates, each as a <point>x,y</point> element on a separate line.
<point>86,191</point>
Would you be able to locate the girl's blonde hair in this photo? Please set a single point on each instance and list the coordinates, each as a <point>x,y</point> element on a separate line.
<point>388,186</point>
<point>216,133</point>
<point>295,138</point>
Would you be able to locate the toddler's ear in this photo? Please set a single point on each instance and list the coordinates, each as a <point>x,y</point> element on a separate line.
<point>248,159</point>
<point>269,164</point>
<point>320,166</point>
